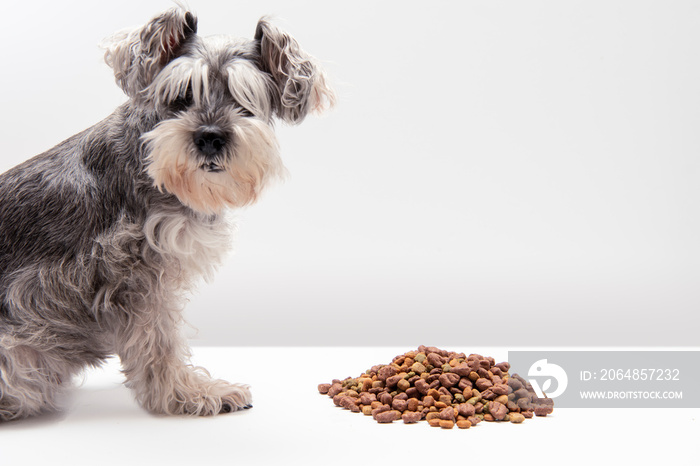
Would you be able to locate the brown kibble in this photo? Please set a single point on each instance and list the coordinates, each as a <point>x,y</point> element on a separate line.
<point>447,414</point>
<point>392,381</point>
<point>435,360</point>
<point>440,405</point>
<point>386,417</point>
<point>516,418</point>
<point>474,420</point>
<point>385,398</point>
<point>432,415</point>
<point>541,411</point>
<point>386,372</point>
<point>379,410</point>
<point>422,386</point>
<point>403,385</point>
<point>346,402</point>
<point>428,401</point>
<point>449,379</point>
<point>446,424</point>
<point>515,384</point>
<point>411,417</point>
<point>466,409</point>
<point>412,404</point>
<point>504,366</point>
<point>367,410</point>
<point>488,417</point>
<point>500,389</point>
<point>464,424</point>
<point>527,414</point>
<point>465,384</point>
<point>334,389</point>
<point>524,404</point>
<point>482,384</point>
<point>497,410</point>
<point>399,405</point>
<point>434,422</point>
<point>461,369</point>
<point>323,388</point>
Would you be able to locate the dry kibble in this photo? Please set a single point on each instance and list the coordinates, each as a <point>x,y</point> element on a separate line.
<point>386,417</point>
<point>446,424</point>
<point>334,389</point>
<point>393,380</point>
<point>399,405</point>
<point>403,385</point>
<point>466,410</point>
<point>447,414</point>
<point>411,417</point>
<point>483,383</point>
<point>497,410</point>
<point>385,398</point>
<point>464,424</point>
<point>418,368</point>
<point>444,388</point>
<point>386,372</point>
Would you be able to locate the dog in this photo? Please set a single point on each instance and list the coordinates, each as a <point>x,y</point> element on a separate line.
<point>103,236</point>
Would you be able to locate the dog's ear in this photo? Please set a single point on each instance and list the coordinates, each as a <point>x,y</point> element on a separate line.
<point>138,55</point>
<point>300,84</point>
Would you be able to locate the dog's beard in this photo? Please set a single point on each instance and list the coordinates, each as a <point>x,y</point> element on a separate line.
<point>234,179</point>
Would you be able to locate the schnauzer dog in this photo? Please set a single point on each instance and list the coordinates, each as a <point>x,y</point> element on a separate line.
<point>102,236</point>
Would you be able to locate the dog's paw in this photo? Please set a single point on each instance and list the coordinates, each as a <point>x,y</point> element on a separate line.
<point>237,399</point>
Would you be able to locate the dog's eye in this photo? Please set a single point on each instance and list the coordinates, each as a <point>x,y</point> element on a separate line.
<point>182,102</point>
<point>242,110</point>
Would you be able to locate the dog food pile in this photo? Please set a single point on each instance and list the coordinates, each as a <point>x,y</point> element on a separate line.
<point>444,388</point>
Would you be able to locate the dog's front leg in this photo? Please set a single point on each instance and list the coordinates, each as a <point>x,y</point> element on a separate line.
<point>155,360</point>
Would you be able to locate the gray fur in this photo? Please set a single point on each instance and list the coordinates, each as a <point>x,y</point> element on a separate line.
<point>98,247</point>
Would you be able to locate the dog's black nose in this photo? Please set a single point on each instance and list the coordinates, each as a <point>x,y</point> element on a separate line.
<point>209,142</point>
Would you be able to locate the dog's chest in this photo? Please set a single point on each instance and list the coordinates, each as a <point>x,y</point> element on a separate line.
<point>195,245</point>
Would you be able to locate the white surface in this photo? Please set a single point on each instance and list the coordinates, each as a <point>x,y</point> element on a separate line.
<point>292,424</point>
<point>510,159</point>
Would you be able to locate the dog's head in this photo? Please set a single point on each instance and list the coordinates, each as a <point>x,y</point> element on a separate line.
<point>215,99</point>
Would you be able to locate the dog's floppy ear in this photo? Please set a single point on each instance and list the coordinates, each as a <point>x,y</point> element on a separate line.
<point>138,55</point>
<point>299,83</point>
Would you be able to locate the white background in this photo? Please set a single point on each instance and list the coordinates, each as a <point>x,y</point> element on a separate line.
<point>520,173</point>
